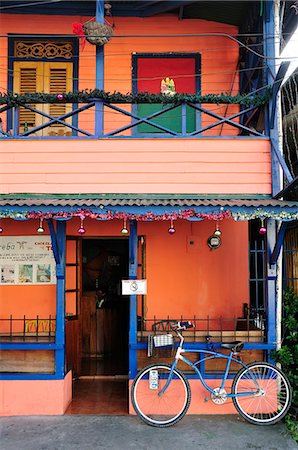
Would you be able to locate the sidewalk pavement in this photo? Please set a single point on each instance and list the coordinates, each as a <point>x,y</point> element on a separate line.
<point>128,432</point>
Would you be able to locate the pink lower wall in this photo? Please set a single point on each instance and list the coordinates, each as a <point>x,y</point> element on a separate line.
<point>35,397</point>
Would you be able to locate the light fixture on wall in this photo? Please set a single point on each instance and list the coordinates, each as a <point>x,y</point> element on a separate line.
<point>82,230</point>
<point>124,229</point>
<point>1,230</point>
<point>171,230</point>
<point>40,229</point>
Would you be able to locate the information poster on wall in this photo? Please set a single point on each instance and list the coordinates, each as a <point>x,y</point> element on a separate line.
<point>26,260</point>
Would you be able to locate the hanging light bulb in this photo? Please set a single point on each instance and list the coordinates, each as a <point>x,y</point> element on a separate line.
<point>217,232</point>
<point>40,229</point>
<point>124,229</point>
<point>171,230</point>
<point>82,230</point>
<point>263,229</point>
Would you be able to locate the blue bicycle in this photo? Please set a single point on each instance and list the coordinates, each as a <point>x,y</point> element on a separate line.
<point>161,394</point>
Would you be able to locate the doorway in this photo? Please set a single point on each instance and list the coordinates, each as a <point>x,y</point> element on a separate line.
<point>97,324</point>
<point>104,311</point>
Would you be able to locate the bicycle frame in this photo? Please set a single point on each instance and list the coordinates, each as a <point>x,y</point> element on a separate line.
<point>211,355</point>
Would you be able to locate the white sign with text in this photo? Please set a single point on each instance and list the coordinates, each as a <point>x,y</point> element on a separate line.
<point>26,260</point>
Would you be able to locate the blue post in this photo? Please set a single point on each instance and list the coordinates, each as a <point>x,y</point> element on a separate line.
<point>133,271</point>
<point>271,286</point>
<point>60,299</point>
<point>271,129</point>
<point>16,120</point>
<point>183,118</point>
<point>99,72</point>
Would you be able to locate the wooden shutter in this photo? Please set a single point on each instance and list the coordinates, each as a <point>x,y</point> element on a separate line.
<point>28,78</point>
<point>58,79</point>
<point>48,77</point>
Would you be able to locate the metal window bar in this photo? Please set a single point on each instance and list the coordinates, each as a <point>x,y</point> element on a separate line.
<point>27,328</point>
<point>257,277</point>
<point>222,329</point>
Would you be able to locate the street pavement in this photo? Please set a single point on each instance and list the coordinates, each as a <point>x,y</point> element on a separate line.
<point>90,432</point>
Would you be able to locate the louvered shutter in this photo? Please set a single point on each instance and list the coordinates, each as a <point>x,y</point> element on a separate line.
<point>48,77</point>
<point>28,79</point>
<point>58,80</point>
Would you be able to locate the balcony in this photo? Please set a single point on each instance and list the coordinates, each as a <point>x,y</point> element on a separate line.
<point>143,115</point>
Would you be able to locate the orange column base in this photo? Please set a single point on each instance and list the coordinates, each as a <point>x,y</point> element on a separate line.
<point>35,397</point>
<point>198,404</point>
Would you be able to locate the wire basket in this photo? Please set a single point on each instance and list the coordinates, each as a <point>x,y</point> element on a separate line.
<point>163,340</point>
<point>160,345</point>
<point>97,33</point>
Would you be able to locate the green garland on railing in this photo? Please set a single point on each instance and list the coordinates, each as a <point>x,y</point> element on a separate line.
<point>12,99</point>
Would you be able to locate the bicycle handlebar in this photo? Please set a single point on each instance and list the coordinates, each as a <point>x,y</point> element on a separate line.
<point>183,326</point>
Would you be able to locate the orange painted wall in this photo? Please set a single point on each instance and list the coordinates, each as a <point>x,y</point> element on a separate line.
<point>182,279</point>
<point>35,397</point>
<point>25,300</point>
<point>219,55</point>
<point>179,166</point>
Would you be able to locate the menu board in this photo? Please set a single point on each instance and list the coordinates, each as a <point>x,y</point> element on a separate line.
<point>26,260</point>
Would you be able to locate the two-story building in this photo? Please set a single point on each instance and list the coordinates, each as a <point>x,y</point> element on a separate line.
<point>144,149</point>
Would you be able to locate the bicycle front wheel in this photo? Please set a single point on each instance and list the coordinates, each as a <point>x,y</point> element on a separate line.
<point>262,393</point>
<point>154,406</point>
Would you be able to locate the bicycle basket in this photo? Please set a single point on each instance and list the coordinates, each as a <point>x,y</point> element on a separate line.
<point>163,340</point>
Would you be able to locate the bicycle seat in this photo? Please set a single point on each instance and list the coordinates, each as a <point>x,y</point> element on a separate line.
<point>236,346</point>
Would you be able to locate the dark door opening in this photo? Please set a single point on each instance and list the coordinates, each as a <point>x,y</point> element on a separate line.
<point>104,311</point>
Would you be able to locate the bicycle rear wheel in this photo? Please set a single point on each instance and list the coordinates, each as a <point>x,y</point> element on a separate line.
<point>156,408</point>
<point>270,396</point>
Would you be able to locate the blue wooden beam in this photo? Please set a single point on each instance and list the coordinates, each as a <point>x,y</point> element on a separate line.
<point>54,241</point>
<point>60,299</point>
<point>276,86</point>
<point>281,160</point>
<point>99,67</point>
<point>271,124</point>
<point>279,242</point>
<point>133,272</point>
<point>56,120</point>
<point>138,120</point>
<point>271,286</point>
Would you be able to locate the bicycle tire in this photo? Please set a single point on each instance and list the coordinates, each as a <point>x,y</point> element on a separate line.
<point>160,410</point>
<point>271,402</point>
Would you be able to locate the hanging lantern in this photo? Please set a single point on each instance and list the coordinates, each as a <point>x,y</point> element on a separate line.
<point>263,229</point>
<point>82,230</point>
<point>40,229</point>
<point>124,229</point>
<point>217,232</point>
<point>171,230</point>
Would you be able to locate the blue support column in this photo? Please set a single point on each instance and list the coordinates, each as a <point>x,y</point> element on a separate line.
<point>133,271</point>
<point>99,64</point>
<point>183,118</point>
<point>60,300</point>
<point>271,286</point>
<point>269,53</point>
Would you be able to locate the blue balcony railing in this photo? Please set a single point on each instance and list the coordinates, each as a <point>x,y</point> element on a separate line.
<point>103,119</point>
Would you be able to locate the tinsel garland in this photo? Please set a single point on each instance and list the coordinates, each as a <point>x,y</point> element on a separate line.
<point>87,95</point>
<point>150,216</point>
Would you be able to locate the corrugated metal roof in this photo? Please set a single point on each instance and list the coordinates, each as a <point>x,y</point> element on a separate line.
<point>117,200</point>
